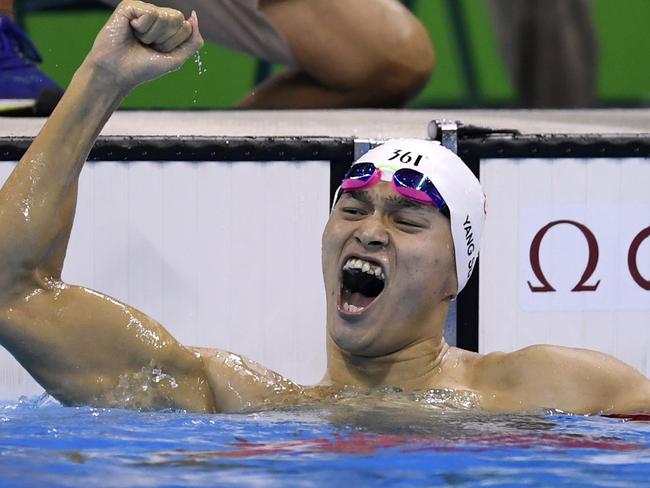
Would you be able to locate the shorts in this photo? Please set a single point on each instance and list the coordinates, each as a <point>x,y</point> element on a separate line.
<point>235,24</point>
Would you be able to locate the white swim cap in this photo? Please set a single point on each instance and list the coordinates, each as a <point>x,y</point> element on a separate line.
<point>456,184</point>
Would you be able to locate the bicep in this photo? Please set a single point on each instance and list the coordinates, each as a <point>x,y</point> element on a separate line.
<point>85,347</point>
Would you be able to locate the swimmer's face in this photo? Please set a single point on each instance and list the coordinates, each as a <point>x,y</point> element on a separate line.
<point>405,252</point>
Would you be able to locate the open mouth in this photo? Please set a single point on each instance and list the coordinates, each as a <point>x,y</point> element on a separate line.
<point>362,282</point>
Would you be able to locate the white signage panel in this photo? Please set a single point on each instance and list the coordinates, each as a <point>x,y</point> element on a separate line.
<point>566,256</point>
<point>584,257</point>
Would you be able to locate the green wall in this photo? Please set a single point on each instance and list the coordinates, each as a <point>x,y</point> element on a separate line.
<point>65,36</point>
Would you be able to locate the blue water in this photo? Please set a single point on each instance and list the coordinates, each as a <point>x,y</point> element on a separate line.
<point>45,444</point>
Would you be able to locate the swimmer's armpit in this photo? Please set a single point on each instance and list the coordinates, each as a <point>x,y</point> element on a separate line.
<point>240,384</point>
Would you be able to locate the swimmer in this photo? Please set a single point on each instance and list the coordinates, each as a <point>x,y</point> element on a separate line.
<point>400,243</point>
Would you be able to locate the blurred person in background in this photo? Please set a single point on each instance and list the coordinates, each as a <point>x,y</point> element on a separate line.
<point>356,53</point>
<point>21,82</point>
<point>337,53</point>
<point>550,50</point>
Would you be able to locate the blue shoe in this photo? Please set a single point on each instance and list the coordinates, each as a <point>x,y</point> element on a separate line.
<point>21,82</point>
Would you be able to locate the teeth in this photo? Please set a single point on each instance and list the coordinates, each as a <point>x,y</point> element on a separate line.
<point>365,266</point>
<point>351,308</point>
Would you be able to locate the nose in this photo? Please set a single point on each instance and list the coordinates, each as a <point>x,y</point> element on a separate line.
<point>372,234</point>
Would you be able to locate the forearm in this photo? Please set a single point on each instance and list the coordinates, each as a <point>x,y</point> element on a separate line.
<point>78,119</point>
<point>34,200</point>
<point>52,164</point>
<point>82,346</point>
<point>140,42</point>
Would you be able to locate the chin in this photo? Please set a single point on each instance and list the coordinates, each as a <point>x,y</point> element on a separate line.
<point>358,338</point>
<point>350,338</point>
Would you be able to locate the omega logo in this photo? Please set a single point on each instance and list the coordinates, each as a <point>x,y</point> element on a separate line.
<point>592,262</point>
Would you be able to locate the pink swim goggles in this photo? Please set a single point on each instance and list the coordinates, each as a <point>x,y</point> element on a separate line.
<point>407,182</point>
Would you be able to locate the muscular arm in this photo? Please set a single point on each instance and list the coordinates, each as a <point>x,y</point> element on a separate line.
<point>84,347</point>
<point>37,201</point>
<point>572,380</point>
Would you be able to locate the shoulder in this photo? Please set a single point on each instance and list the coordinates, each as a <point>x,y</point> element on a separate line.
<point>534,359</point>
<point>570,379</point>
<point>539,354</point>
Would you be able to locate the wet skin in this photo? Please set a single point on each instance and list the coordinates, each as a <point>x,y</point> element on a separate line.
<point>87,348</point>
<point>397,339</point>
<point>413,245</point>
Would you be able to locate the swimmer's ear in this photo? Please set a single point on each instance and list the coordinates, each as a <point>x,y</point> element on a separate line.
<point>450,297</point>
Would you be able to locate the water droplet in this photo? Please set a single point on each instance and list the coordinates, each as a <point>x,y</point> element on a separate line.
<point>199,63</point>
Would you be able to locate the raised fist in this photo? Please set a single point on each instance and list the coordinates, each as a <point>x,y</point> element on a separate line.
<point>141,42</point>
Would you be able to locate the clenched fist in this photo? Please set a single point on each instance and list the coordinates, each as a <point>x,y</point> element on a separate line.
<point>141,42</point>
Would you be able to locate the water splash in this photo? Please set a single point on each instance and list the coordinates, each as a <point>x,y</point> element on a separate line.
<point>148,388</point>
<point>157,376</point>
<point>447,398</point>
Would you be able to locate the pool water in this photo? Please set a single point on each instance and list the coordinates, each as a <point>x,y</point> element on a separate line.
<point>341,445</point>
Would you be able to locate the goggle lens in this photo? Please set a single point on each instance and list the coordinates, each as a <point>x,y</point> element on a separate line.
<point>359,176</point>
<point>406,181</point>
<point>414,185</point>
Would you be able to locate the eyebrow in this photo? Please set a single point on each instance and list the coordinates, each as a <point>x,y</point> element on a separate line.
<point>397,202</point>
<point>393,202</point>
<point>361,196</point>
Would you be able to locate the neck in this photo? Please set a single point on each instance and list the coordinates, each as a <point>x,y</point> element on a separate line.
<point>416,366</point>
